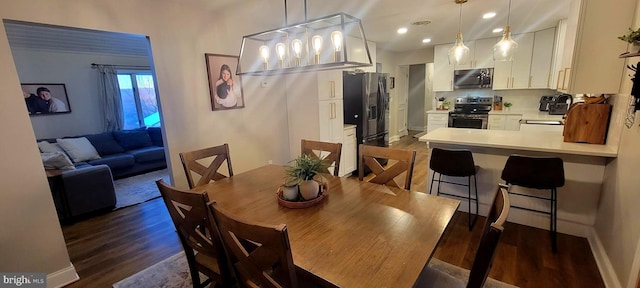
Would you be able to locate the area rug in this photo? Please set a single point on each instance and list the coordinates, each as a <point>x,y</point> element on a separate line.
<point>457,273</point>
<point>174,272</point>
<point>139,188</point>
<point>171,272</point>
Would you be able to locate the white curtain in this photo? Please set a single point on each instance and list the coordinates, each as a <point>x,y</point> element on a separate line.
<point>111,102</point>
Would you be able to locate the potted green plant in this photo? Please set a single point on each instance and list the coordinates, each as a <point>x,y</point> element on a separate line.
<point>632,37</point>
<point>303,170</point>
<point>507,105</point>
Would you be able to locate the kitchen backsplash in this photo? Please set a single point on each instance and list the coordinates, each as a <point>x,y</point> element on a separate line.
<point>528,99</point>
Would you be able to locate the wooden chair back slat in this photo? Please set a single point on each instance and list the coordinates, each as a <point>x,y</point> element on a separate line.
<point>332,159</point>
<point>369,156</point>
<point>189,213</point>
<point>209,172</point>
<point>260,254</point>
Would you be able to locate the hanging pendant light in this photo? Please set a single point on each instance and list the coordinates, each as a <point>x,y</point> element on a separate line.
<point>504,50</point>
<point>459,53</point>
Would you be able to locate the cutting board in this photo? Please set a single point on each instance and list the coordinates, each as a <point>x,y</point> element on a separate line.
<point>587,123</point>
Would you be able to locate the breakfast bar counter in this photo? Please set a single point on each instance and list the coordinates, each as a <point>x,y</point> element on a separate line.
<point>584,166</point>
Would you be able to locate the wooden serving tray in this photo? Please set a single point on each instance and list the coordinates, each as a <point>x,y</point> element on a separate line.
<point>301,203</point>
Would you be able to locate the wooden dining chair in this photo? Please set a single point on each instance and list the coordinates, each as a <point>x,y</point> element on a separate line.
<point>191,162</point>
<point>261,254</point>
<point>431,276</point>
<point>198,234</point>
<point>370,155</point>
<point>332,159</point>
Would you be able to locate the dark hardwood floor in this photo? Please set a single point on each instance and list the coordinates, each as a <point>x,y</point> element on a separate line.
<point>108,248</point>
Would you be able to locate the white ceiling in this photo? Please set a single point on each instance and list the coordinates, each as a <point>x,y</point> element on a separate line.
<point>380,18</point>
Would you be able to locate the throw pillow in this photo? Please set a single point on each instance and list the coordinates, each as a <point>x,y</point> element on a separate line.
<point>105,144</point>
<point>46,147</point>
<point>132,139</point>
<point>155,133</point>
<point>56,160</point>
<point>80,149</point>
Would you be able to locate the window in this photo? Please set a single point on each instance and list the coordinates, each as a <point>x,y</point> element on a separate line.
<point>139,103</point>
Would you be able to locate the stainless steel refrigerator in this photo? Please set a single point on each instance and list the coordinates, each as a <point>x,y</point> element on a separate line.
<point>366,105</point>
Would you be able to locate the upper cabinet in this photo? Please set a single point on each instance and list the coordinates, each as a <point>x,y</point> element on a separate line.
<point>480,54</point>
<point>541,59</point>
<point>589,62</point>
<point>442,70</point>
<point>329,84</point>
<point>515,74</point>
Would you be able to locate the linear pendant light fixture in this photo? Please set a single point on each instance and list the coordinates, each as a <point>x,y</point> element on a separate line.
<point>459,53</point>
<point>504,50</point>
<point>332,42</point>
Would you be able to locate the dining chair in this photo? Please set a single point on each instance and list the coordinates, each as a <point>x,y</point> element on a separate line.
<point>455,163</point>
<point>191,162</point>
<point>332,159</point>
<point>431,276</point>
<point>386,174</point>
<point>261,254</point>
<point>198,235</point>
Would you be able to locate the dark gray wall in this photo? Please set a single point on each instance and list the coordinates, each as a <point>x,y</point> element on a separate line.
<point>416,113</point>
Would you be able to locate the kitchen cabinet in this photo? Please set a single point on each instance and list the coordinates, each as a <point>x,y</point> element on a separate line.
<point>540,77</point>
<point>504,122</point>
<point>437,119</point>
<point>591,45</point>
<point>348,157</point>
<point>331,119</point>
<point>515,74</point>
<point>480,54</point>
<point>442,71</point>
<point>329,85</point>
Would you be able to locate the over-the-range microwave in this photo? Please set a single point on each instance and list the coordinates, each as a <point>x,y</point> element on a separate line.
<point>473,78</point>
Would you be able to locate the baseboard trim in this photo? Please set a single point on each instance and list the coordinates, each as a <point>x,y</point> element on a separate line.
<point>602,260</point>
<point>394,138</point>
<point>63,277</point>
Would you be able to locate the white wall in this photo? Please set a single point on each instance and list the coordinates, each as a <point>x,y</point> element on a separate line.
<point>617,225</point>
<point>73,70</point>
<point>180,34</point>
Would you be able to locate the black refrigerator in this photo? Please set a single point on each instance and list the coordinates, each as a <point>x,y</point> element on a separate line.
<point>366,105</point>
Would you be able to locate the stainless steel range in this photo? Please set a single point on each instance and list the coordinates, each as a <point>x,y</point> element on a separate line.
<point>471,112</point>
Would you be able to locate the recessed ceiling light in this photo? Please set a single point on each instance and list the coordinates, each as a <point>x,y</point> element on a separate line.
<point>497,30</point>
<point>426,40</point>
<point>489,15</point>
<point>402,30</point>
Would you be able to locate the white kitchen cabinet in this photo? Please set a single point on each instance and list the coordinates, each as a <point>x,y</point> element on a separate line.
<point>348,157</point>
<point>437,120</point>
<point>330,85</point>
<point>512,122</point>
<point>541,59</point>
<point>591,44</point>
<point>442,71</point>
<point>331,119</point>
<point>515,74</point>
<point>504,122</point>
<point>480,54</point>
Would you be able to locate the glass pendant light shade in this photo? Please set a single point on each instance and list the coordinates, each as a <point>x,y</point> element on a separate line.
<point>459,53</point>
<point>504,50</point>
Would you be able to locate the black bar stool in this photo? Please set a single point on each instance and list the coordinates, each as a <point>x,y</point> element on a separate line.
<point>456,163</point>
<point>538,173</point>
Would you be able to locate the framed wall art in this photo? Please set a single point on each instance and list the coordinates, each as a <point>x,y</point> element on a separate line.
<point>225,88</point>
<point>45,98</point>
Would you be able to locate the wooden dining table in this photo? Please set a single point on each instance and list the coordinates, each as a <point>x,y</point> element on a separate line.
<point>360,235</point>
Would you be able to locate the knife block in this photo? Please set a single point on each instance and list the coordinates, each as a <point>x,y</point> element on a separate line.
<point>587,123</point>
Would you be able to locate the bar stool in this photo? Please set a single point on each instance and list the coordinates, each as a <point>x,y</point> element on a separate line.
<point>545,173</point>
<point>456,163</point>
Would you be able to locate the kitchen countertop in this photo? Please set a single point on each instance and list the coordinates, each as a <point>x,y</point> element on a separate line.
<point>347,126</point>
<point>528,114</point>
<point>434,111</point>
<point>541,141</point>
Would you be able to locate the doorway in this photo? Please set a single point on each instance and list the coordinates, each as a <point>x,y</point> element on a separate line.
<point>419,95</point>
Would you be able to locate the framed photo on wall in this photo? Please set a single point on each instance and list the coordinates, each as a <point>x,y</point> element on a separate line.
<point>225,88</point>
<point>45,98</point>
